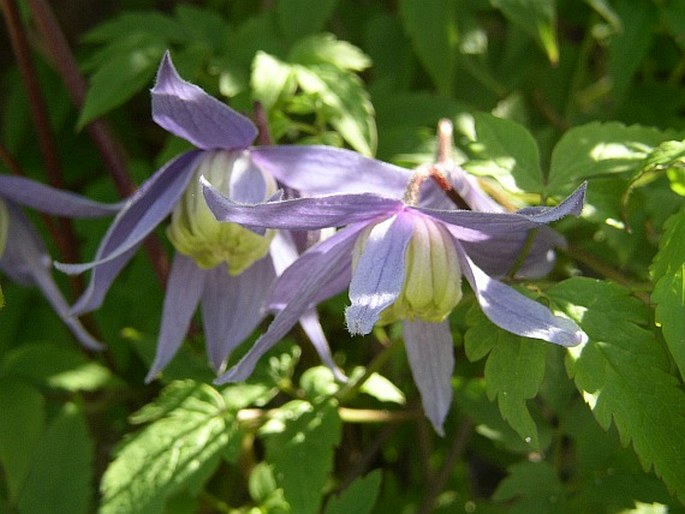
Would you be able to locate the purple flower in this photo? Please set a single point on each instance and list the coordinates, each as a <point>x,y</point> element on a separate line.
<point>402,262</point>
<point>224,268</point>
<point>23,256</point>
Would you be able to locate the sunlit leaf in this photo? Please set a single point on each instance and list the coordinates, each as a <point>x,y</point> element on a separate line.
<point>326,49</point>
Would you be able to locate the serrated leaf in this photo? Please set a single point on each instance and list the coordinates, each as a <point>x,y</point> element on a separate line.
<point>537,18</point>
<point>23,421</point>
<point>535,486</point>
<point>300,440</point>
<point>122,76</point>
<point>298,18</point>
<point>598,149</point>
<point>270,79</point>
<point>174,453</point>
<point>624,374</point>
<point>326,49</point>
<point>668,277</point>
<point>432,28</point>
<point>507,151</point>
<point>62,468</point>
<point>343,94</point>
<point>513,372</point>
<point>359,497</point>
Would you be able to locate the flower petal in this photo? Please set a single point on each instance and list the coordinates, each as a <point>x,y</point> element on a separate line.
<point>514,312</point>
<point>301,213</point>
<point>431,360</point>
<point>379,275</point>
<point>325,170</point>
<point>232,307</point>
<point>146,209</point>
<point>187,111</point>
<point>53,201</point>
<point>285,319</point>
<point>312,327</point>
<point>184,288</point>
<point>143,212</point>
<point>26,260</point>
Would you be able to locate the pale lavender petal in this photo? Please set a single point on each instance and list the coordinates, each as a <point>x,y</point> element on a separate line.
<point>283,251</point>
<point>325,170</point>
<point>26,260</point>
<point>53,201</point>
<point>468,188</point>
<point>312,327</point>
<point>184,288</point>
<point>283,322</point>
<point>232,307</point>
<point>301,213</point>
<point>378,278</point>
<point>146,209</point>
<point>287,285</point>
<point>482,226</point>
<point>246,181</point>
<point>514,312</point>
<point>431,360</point>
<point>187,111</point>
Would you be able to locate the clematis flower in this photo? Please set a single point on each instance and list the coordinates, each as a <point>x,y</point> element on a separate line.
<point>24,257</point>
<point>401,262</point>
<point>227,270</point>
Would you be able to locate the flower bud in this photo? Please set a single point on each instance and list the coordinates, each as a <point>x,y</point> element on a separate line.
<point>195,232</point>
<point>432,281</point>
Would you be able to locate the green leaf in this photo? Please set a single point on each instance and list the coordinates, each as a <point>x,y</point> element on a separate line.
<point>298,18</point>
<point>598,149</point>
<point>134,23</point>
<point>359,497</point>
<point>432,28</point>
<point>326,49</point>
<point>23,421</point>
<point>535,486</point>
<point>271,79</point>
<point>628,48</point>
<point>513,372</point>
<point>176,452</point>
<point>668,276</point>
<point>669,156</point>
<point>62,472</point>
<point>507,151</point>
<point>318,382</point>
<point>379,387</point>
<point>624,374</point>
<point>342,92</point>
<point>56,366</point>
<point>300,440</point>
<point>126,73</point>
<point>537,18</point>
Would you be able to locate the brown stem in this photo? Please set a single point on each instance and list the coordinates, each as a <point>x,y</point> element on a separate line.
<point>109,147</point>
<point>63,233</point>
<point>264,135</point>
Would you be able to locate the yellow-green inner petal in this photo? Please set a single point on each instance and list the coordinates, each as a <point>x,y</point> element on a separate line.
<point>195,232</point>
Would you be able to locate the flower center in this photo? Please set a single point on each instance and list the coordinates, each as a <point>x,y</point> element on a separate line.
<point>195,232</point>
<point>432,281</point>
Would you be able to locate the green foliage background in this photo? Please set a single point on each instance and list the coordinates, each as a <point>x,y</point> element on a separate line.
<point>544,94</point>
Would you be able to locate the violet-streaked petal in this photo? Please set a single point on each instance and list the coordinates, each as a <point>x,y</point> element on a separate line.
<point>379,275</point>
<point>183,291</point>
<point>516,313</point>
<point>232,307</point>
<point>26,259</point>
<point>482,226</point>
<point>187,111</point>
<point>53,201</point>
<point>246,181</point>
<point>324,170</point>
<point>287,285</point>
<point>309,322</point>
<point>431,360</point>
<point>286,318</point>
<point>146,209</point>
<point>301,213</point>
<point>283,251</point>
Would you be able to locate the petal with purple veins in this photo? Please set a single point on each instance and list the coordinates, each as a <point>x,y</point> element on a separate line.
<point>187,111</point>
<point>431,360</point>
